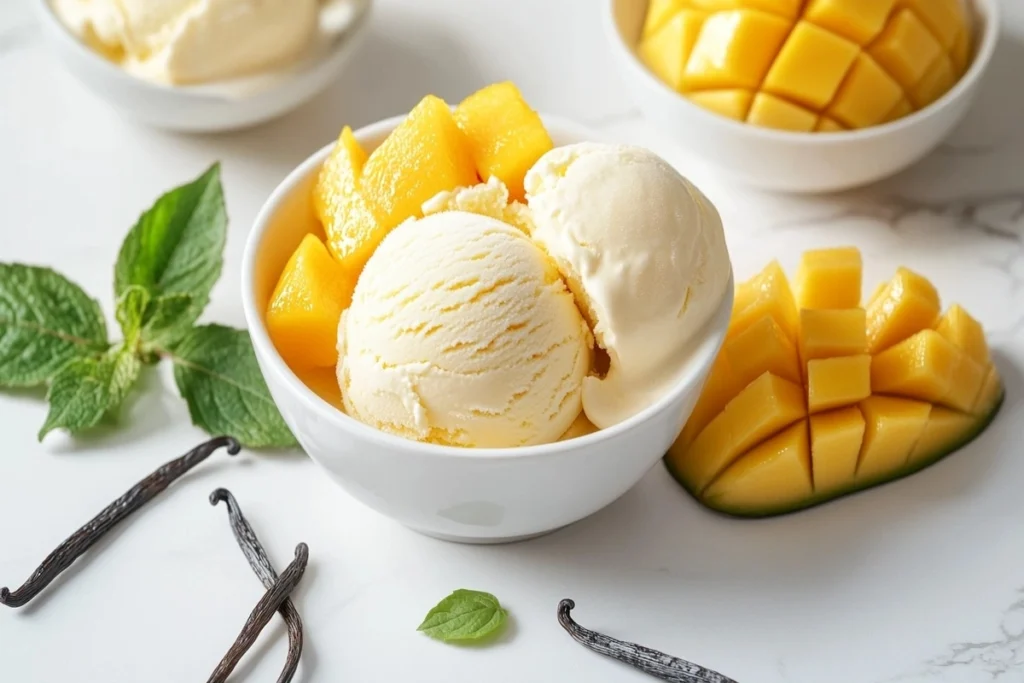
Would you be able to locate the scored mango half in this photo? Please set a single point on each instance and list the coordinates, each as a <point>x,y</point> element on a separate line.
<point>808,65</point>
<point>814,395</point>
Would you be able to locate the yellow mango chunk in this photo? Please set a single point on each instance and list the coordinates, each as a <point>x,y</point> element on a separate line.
<point>825,333</point>
<point>867,95</point>
<point>351,227</point>
<point>764,407</point>
<point>944,18</point>
<point>720,387</point>
<point>504,135</point>
<point>907,305</point>
<point>836,438</point>
<point>773,476</point>
<point>666,51</point>
<point>965,333</point>
<point>837,382</point>
<point>991,393</point>
<point>892,428</point>
<point>945,429</point>
<point>829,278</point>
<point>772,112</point>
<point>767,293</point>
<point>810,66</point>
<point>734,50</point>
<point>731,103</point>
<point>827,125</point>
<point>961,52</point>
<point>928,367</point>
<point>427,153</point>
<point>324,383</point>
<point>658,13</point>
<point>901,109</point>
<point>783,8</point>
<point>859,21</point>
<point>762,347</point>
<point>936,82</point>
<point>304,310</point>
<point>905,48</point>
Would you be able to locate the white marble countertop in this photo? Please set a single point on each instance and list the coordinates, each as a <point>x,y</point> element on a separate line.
<point>919,581</point>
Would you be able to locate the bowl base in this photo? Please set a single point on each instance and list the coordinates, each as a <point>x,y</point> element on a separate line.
<point>483,540</point>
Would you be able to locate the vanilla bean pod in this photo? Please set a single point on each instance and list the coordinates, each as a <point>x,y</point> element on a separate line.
<point>657,664</point>
<point>264,570</point>
<point>83,539</point>
<point>262,613</point>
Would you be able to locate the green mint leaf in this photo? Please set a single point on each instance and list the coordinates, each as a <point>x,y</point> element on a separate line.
<point>166,319</point>
<point>45,321</point>
<point>87,389</point>
<point>464,615</point>
<point>177,246</point>
<point>216,372</point>
<point>131,307</point>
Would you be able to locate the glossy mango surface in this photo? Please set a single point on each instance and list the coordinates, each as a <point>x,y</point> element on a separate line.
<point>808,65</point>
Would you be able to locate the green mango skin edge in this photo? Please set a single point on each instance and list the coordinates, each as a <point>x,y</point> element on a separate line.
<point>816,500</point>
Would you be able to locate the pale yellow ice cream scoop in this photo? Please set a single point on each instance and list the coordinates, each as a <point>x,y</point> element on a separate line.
<point>643,251</point>
<point>461,332</point>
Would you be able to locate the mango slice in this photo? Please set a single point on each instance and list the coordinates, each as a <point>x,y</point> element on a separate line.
<point>804,405</point>
<point>504,135</point>
<point>305,308</point>
<point>808,65</point>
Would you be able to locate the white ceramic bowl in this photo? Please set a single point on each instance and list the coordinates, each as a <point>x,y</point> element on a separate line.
<point>218,106</point>
<point>789,161</point>
<point>469,495</point>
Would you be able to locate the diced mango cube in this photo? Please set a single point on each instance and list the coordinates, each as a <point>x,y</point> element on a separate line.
<point>773,112</point>
<point>936,82</point>
<point>427,153</point>
<point>836,438</point>
<point>892,428</point>
<point>767,293</point>
<point>782,8</point>
<point>901,109</point>
<point>810,66</point>
<point>829,278</point>
<point>504,135</point>
<point>944,430</point>
<point>859,21</point>
<point>828,332</point>
<point>666,51</point>
<point>905,48</point>
<point>762,347</point>
<point>991,393</point>
<point>867,95</point>
<point>658,14</point>
<point>929,367</point>
<point>837,382</point>
<point>304,310</point>
<point>323,382</point>
<point>731,103</point>
<point>944,18</point>
<point>907,305</point>
<point>965,333</point>
<point>720,387</point>
<point>774,475</point>
<point>734,50</point>
<point>961,52</point>
<point>827,125</point>
<point>351,227</point>
<point>764,407</point>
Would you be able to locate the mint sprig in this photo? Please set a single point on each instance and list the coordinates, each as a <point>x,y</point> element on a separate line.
<point>52,332</point>
<point>464,615</point>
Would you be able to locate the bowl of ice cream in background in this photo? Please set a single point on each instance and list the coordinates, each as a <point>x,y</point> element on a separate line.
<point>804,96</point>
<point>203,67</point>
<point>485,327</point>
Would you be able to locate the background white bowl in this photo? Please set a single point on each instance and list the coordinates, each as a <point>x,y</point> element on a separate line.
<point>789,161</point>
<point>469,495</point>
<point>210,107</point>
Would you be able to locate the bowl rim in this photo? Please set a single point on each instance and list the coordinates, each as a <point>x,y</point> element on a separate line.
<point>979,64</point>
<point>706,342</point>
<point>206,90</point>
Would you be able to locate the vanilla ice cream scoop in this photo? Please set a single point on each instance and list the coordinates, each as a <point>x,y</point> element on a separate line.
<point>643,251</point>
<point>461,332</point>
<point>193,41</point>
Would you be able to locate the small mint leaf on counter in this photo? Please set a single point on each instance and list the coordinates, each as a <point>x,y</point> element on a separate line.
<point>464,615</point>
<point>87,389</point>
<point>45,321</point>
<point>165,320</point>
<point>216,372</point>
<point>177,246</point>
